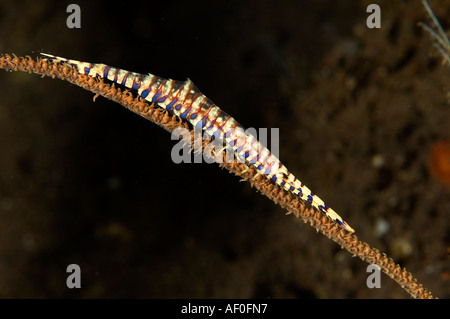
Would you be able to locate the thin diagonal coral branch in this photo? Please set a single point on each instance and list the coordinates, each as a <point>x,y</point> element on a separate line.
<point>273,191</point>
<point>442,41</point>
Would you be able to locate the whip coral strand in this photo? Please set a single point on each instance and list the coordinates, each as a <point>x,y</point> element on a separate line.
<point>277,194</point>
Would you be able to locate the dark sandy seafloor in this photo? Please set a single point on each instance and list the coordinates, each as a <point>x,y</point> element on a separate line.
<point>89,183</point>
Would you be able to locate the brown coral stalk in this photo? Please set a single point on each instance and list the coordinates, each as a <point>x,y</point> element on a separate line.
<point>276,193</point>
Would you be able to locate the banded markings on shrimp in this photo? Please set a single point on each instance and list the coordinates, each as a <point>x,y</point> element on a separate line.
<point>185,101</point>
